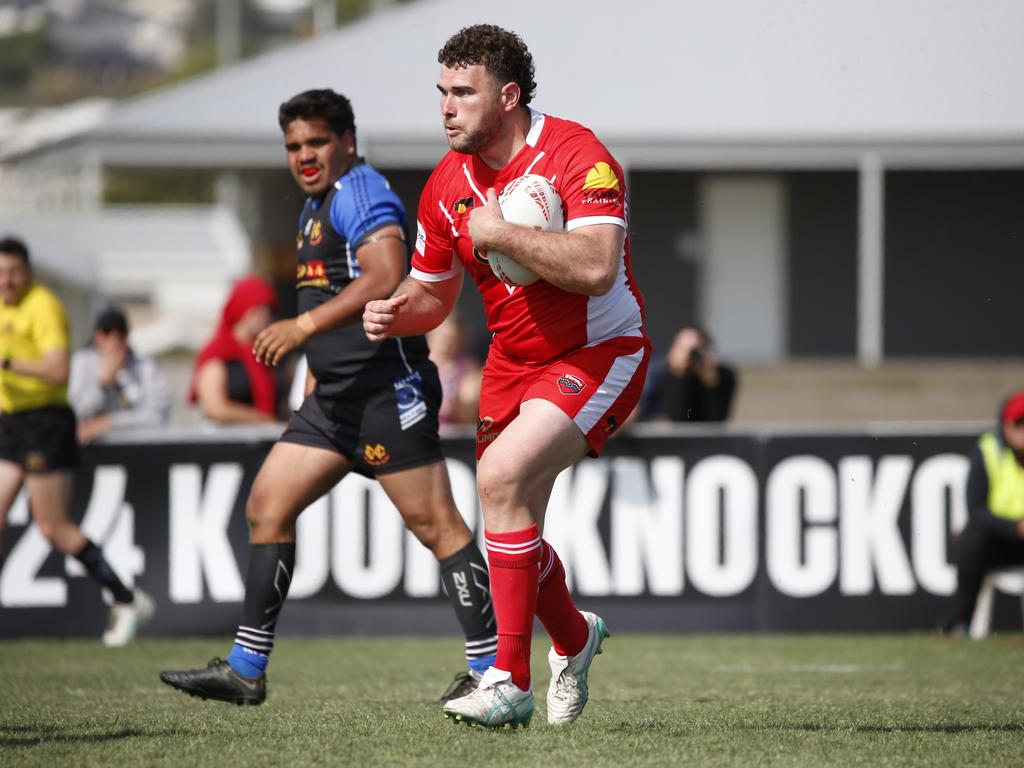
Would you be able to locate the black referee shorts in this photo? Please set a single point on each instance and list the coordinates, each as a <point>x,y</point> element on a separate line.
<point>386,421</point>
<point>40,439</point>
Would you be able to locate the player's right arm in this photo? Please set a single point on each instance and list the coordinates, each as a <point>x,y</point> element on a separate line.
<point>415,308</point>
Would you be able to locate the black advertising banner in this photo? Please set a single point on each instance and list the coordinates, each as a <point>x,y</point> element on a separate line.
<point>669,531</point>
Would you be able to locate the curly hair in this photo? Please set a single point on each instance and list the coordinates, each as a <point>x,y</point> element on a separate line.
<point>326,104</point>
<point>502,53</point>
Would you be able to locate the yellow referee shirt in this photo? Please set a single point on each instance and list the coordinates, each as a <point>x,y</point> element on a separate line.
<point>28,330</point>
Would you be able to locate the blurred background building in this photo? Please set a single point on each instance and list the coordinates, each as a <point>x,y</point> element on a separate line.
<point>833,188</point>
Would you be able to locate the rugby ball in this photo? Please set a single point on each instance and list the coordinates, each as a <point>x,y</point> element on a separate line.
<point>529,201</point>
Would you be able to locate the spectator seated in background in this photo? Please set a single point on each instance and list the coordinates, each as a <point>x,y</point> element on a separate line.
<point>110,387</point>
<point>994,535</point>
<point>460,373</point>
<point>689,384</point>
<point>230,385</point>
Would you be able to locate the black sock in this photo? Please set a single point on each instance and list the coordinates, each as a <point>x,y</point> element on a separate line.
<point>465,580</point>
<point>267,579</point>
<point>92,558</point>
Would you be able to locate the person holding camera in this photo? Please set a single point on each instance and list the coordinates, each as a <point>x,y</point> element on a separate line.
<point>690,384</point>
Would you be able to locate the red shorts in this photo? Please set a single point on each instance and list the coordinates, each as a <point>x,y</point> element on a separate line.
<point>597,387</point>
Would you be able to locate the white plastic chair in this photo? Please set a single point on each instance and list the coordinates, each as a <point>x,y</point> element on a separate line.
<point>1010,580</point>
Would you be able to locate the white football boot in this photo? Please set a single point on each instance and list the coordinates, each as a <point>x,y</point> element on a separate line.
<point>567,693</point>
<point>126,618</point>
<point>497,702</point>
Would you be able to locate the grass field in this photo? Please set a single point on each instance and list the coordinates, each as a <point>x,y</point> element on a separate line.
<point>655,700</point>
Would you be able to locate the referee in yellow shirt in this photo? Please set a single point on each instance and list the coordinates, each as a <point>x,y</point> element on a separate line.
<point>38,447</point>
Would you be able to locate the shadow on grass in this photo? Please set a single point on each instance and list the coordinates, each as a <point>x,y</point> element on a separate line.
<point>37,735</point>
<point>680,729</point>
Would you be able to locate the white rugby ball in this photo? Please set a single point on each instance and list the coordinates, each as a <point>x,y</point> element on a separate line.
<point>529,201</point>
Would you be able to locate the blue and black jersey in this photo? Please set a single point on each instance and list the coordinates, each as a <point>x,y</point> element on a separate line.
<point>331,229</point>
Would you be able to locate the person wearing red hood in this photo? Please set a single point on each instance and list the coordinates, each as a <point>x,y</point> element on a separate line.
<point>994,535</point>
<point>229,383</point>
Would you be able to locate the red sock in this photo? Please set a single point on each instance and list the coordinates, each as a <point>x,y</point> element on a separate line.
<point>555,608</point>
<point>512,560</point>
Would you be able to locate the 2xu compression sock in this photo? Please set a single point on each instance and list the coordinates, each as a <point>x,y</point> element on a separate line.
<point>97,566</point>
<point>267,579</point>
<point>465,580</point>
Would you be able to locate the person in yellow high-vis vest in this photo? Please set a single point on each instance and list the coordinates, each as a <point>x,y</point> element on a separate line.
<point>994,535</point>
<point>38,447</point>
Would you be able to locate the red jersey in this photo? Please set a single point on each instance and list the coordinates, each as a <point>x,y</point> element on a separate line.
<point>538,322</point>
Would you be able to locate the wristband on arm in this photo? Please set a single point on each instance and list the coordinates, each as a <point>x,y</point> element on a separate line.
<point>306,323</point>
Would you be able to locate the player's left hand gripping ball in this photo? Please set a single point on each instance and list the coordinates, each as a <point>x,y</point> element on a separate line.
<point>529,201</point>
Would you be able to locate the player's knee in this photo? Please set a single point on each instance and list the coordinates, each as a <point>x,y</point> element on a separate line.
<point>497,483</point>
<point>61,534</point>
<point>425,526</point>
<point>49,528</point>
<point>264,522</point>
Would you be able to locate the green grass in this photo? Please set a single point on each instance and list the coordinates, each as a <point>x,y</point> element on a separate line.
<point>655,700</point>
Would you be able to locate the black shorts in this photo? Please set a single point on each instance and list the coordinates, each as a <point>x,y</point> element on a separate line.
<point>386,421</point>
<point>40,439</point>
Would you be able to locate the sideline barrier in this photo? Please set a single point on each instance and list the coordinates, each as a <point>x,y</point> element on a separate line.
<point>674,529</point>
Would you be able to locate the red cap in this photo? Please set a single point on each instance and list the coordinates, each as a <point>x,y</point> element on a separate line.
<point>1013,411</point>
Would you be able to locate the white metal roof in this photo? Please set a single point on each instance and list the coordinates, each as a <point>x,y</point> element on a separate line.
<point>52,251</point>
<point>685,83</point>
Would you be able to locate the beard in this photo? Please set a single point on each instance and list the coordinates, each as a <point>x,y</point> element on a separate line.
<point>471,142</point>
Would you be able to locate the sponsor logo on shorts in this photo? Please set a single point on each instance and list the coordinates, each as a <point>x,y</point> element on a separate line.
<point>316,234</point>
<point>463,205</point>
<point>570,385</point>
<point>483,430</point>
<point>311,273</point>
<point>412,405</point>
<point>35,461</point>
<point>480,256</point>
<point>610,425</point>
<point>376,455</point>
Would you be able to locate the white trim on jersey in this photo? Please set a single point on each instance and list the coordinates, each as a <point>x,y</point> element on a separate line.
<point>534,162</point>
<point>476,189</point>
<point>586,221</point>
<point>451,219</point>
<point>614,384</point>
<point>616,313</point>
<point>536,127</point>
<point>437,277</point>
